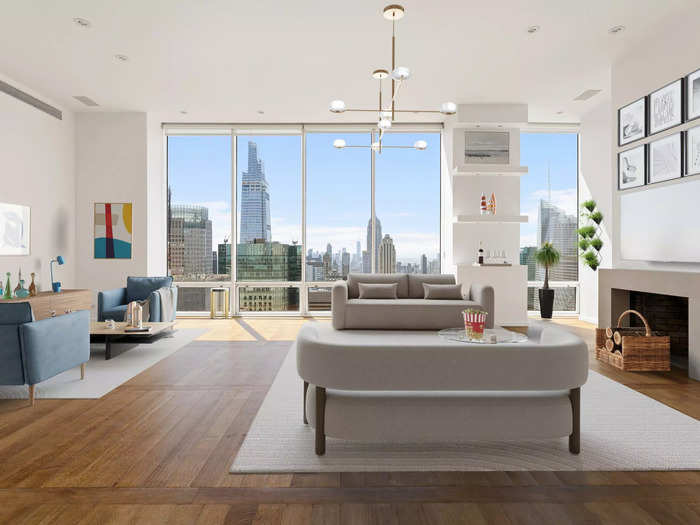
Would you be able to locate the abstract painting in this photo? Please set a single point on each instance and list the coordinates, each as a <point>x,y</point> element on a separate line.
<point>631,168</point>
<point>631,123</point>
<point>113,230</point>
<point>692,148</point>
<point>14,229</point>
<point>486,147</point>
<point>693,98</point>
<point>665,106</point>
<point>665,159</point>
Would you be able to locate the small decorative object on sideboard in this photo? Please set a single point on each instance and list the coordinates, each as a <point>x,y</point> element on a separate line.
<point>19,282</point>
<point>56,285</point>
<point>8,288</point>
<point>21,292</point>
<point>32,286</point>
<point>547,256</point>
<point>479,255</point>
<point>492,204</point>
<point>483,206</point>
<point>633,349</point>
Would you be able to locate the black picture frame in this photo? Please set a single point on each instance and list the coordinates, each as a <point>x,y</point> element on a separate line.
<point>681,166</point>
<point>681,84</point>
<point>687,94</point>
<point>645,165</point>
<point>645,117</point>
<point>686,152</point>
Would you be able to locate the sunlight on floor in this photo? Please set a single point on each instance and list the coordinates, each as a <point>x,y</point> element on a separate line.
<point>248,328</point>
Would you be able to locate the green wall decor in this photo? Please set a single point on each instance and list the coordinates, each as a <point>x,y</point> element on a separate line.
<point>589,241</point>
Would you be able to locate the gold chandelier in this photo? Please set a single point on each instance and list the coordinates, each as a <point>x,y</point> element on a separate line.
<point>399,75</point>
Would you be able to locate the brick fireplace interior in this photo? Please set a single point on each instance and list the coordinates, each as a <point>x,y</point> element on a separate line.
<point>665,313</point>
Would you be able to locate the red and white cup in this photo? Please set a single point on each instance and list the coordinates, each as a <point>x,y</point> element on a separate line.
<point>474,324</point>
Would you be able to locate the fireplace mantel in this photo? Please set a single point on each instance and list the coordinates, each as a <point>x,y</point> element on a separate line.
<point>681,284</point>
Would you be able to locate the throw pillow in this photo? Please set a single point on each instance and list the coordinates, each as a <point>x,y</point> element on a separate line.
<point>378,291</point>
<point>442,291</point>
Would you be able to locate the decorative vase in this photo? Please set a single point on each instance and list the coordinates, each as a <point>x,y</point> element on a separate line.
<point>32,286</point>
<point>21,292</point>
<point>8,288</point>
<point>546,302</point>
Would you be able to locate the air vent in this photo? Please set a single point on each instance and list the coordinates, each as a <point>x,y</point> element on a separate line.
<point>86,100</point>
<point>32,101</point>
<point>589,93</point>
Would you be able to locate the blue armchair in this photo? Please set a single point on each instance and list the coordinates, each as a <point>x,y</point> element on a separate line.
<point>111,304</point>
<point>34,351</point>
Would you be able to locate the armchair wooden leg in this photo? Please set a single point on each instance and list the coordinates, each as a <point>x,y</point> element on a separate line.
<point>82,371</point>
<point>320,421</point>
<point>575,437</point>
<point>306,389</point>
<point>31,395</point>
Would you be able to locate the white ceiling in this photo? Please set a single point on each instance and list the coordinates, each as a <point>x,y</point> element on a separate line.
<point>223,60</point>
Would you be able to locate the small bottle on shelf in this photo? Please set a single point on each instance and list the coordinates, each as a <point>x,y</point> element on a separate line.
<point>480,255</point>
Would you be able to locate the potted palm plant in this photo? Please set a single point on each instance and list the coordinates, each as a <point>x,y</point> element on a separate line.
<point>548,256</point>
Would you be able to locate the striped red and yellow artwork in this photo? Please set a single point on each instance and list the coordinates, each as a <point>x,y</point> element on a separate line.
<point>113,230</point>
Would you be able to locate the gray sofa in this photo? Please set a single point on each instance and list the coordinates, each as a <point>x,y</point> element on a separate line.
<point>410,311</point>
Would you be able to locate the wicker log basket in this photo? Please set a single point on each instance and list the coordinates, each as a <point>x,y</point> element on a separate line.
<point>633,349</point>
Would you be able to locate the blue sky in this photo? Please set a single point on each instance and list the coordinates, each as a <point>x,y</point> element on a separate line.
<point>338,185</point>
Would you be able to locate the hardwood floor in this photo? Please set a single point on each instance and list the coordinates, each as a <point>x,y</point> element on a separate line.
<point>158,448</point>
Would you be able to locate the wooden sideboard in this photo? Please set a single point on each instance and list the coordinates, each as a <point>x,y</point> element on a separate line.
<point>49,304</point>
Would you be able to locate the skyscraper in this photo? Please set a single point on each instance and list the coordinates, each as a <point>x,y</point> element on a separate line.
<point>255,200</point>
<point>224,253</point>
<point>378,241</point>
<point>424,263</point>
<point>189,240</point>
<point>387,255</point>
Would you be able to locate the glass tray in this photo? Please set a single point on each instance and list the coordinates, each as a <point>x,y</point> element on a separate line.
<point>502,336</point>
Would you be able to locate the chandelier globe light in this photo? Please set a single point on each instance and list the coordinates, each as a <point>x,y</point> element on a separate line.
<point>386,113</point>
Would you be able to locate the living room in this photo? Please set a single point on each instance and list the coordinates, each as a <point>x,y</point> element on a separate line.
<point>326,263</point>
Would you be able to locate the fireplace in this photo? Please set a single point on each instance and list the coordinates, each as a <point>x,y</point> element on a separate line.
<point>669,299</point>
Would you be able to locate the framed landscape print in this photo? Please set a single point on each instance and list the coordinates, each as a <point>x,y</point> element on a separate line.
<point>486,147</point>
<point>113,230</point>
<point>666,107</point>
<point>692,151</point>
<point>15,223</point>
<point>665,159</point>
<point>631,168</point>
<point>692,89</point>
<point>631,122</point>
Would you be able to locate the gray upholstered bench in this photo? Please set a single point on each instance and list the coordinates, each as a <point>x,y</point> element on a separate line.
<point>414,386</point>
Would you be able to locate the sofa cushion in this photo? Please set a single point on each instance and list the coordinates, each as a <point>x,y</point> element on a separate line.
<point>415,283</point>
<point>404,314</point>
<point>378,278</point>
<point>378,291</point>
<point>139,288</point>
<point>442,291</point>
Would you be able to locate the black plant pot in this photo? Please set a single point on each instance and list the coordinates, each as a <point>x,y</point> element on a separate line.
<point>546,302</point>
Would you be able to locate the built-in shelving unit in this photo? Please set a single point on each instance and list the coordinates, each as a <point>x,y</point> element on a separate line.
<point>490,218</point>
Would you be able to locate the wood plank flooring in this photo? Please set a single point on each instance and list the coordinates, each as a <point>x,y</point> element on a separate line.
<point>158,448</point>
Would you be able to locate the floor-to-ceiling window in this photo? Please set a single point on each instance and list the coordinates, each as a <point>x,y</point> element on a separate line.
<point>549,196</point>
<point>199,215</point>
<point>306,213</point>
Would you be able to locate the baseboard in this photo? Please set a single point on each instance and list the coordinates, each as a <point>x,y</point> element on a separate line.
<point>588,319</point>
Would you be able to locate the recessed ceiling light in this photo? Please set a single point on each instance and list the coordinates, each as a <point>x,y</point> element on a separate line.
<point>589,93</point>
<point>82,22</point>
<point>184,112</point>
<point>261,112</point>
<point>616,29</point>
<point>86,100</point>
<point>121,58</point>
<point>533,29</point>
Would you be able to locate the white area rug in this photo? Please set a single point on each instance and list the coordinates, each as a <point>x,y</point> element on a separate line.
<point>621,430</point>
<point>101,377</point>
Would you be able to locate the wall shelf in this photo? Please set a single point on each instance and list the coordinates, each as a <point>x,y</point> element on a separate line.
<point>478,219</point>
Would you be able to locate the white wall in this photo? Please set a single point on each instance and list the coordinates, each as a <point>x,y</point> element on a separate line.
<point>658,61</point>
<point>596,183</point>
<point>111,166</point>
<point>37,163</point>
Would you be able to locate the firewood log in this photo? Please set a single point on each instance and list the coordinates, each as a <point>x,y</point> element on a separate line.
<point>609,345</point>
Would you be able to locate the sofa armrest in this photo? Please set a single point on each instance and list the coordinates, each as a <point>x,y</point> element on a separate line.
<point>108,299</point>
<point>484,295</point>
<point>156,308</point>
<point>339,296</point>
<point>54,345</point>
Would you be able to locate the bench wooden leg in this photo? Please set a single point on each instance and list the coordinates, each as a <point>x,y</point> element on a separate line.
<point>31,395</point>
<point>82,371</point>
<point>320,421</point>
<point>575,437</point>
<point>306,388</point>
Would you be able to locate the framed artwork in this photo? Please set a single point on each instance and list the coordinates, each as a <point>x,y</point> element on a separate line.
<point>113,230</point>
<point>631,168</point>
<point>15,226</point>
<point>486,147</point>
<point>692,99</point>
<point>631,122</point>
<point>692,151</point>
<point>665,158</point>
<point>666,107</point>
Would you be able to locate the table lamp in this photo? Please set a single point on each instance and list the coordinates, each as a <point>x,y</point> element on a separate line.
<point>56,285</point>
